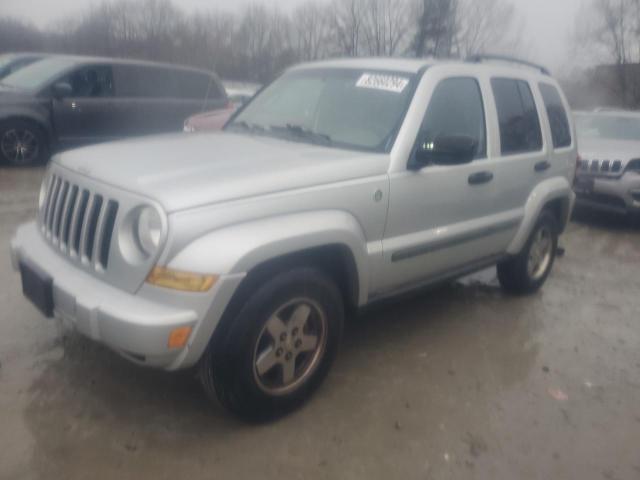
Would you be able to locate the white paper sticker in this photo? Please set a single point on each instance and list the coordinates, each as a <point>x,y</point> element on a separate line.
<point>388,83</point>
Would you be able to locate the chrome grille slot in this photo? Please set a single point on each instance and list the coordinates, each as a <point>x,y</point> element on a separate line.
<point>52,204</point>
<point>111,212</point>
<point>47,201</point>
<point>595,165</point>
<point>57,215</point>
<point>617,166</point>
<point>79,221</point>
<point>69,209</point>
<point>606,165</point>
<point>92,226</point>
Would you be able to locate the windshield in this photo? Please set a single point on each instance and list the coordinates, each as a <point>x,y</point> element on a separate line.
<point>608,126</point>
<point>355,109</point>
<point>37,75</point>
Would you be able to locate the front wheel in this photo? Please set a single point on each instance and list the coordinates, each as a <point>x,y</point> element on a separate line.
<point>527,272</point>
<point>22,143</point>
<point>278,348</point>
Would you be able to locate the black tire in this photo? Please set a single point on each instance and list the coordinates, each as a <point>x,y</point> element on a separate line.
<point>228,369</point>
<point>32,143</point>
<point>514,274</point>
<point>634,219</point>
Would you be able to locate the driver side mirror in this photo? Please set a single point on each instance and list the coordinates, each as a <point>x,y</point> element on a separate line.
<point>446,150</point>
<point>61,90</point>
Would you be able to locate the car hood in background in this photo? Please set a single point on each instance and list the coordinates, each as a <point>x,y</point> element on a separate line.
<point>606,149</point>
<point>184,171</point>
<point>210,121</point>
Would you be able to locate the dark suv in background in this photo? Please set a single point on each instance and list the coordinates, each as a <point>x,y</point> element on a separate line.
<point>65,101</point>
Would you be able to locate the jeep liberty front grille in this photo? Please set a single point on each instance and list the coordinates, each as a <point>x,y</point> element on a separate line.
<point>604,167</point>
<point>79,222</point>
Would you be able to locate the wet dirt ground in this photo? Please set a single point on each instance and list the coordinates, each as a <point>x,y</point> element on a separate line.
<point>462,382</point>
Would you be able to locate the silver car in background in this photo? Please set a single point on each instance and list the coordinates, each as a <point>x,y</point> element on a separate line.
<point>608,175</point>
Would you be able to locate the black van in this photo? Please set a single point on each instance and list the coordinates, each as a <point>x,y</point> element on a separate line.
<point>65,101</point>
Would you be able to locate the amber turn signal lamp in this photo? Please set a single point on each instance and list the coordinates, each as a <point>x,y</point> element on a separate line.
<point>183,281</point>
<point>178,337</point>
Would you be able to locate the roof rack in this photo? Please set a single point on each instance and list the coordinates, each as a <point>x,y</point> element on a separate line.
<point>479,58</point>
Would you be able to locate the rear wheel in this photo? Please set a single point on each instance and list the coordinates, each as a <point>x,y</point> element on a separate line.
<point>279,347</point>
<point>634,218</point>
<point>527,272</point>
<point>22,143</point>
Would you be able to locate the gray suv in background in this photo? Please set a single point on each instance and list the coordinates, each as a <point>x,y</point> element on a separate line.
<point>608,176</point>
<point>65,101</point>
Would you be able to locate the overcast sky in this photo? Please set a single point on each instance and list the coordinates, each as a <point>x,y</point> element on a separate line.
<point>548,23</point>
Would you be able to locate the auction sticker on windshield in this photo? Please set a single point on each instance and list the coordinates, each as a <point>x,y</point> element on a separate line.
<point>388,83</point>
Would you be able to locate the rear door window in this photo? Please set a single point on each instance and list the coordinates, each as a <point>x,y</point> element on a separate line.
<point>193,85</point>
<point>160,82</point>
<point>518,117</point>
<point>558,120</point>
<point>144,82</point>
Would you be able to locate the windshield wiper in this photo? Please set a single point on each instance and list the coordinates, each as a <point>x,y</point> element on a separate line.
<point>303,133</point>
<point>249,127</point>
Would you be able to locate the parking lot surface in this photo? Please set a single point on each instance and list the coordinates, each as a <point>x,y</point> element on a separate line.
<point>459,382</point>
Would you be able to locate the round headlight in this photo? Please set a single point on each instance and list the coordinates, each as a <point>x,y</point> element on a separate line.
<point>149,230</point>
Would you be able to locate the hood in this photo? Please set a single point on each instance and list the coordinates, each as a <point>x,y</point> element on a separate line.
<point>183,171</point>
<point>608,149</point>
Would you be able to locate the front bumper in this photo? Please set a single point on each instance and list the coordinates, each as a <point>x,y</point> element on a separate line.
<point>617,195</point>
<point>135,325</point>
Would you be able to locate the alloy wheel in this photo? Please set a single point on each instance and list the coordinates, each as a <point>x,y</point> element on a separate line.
<point>540,253</point>
<point>290,346</point>
<point>20,146</point>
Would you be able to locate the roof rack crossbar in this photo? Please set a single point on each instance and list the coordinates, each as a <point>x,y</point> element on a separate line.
<point>479,58</point>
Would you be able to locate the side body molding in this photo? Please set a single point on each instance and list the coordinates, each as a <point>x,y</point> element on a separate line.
<point>553,189</point>
<point>239,248</point>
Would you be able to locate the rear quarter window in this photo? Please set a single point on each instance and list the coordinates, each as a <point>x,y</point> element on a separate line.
<point>517,115</point>
<point>558,119</point>
<point>193,85</point>
<point>160,82</point>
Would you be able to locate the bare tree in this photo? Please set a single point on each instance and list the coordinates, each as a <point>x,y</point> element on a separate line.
<point>610,30</point>
<point>485,25</point>
<point>385,25</point>
<point>311,31</point>
<point>347,22</point>
<point>436,28</point>
<point>265,41</point>
<point>260,41</point>
<point>18,35</point>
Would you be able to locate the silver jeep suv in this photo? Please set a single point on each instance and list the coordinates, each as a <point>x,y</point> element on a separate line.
<point>608,176</point>
<point>342,183</point>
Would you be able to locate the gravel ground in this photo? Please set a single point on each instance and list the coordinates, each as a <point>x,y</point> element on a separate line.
<point>460,382</point>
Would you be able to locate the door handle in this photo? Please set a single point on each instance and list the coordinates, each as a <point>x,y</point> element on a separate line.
<point>542,166</point>
<point>480,178</point>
